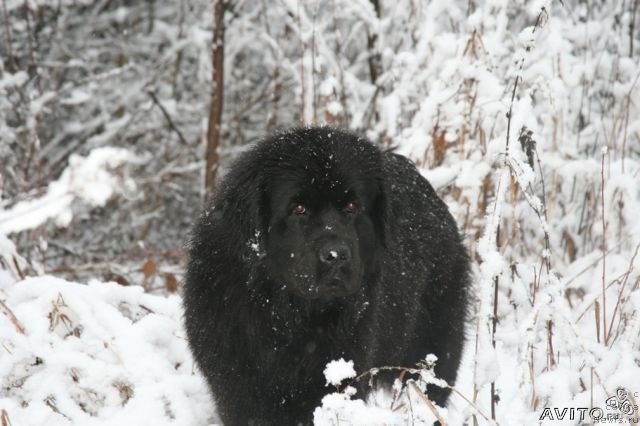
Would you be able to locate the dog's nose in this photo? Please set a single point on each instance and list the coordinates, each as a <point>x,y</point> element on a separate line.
<point>334,253</point>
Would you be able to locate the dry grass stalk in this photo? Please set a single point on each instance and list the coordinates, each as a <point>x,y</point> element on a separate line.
<point>620,302</point>
<point>471,403</point>
<point>597,313</point>
<point>4,418</point>
<point>9,314</point>
<point>427,402</point>
<point>550,355</point>
<point>604,253</point>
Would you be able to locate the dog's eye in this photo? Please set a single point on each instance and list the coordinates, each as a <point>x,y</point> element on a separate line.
<point>351,208</point>
<point>299,209</point>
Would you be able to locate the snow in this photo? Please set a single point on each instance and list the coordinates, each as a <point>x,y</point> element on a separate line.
<point>89,179</point>
<point>16,79</point>
<point>339,370</point>
<point>96,354</point>
<point>339,408</point>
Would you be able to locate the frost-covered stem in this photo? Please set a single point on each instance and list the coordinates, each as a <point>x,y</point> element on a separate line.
<point>625,280</point>
<point>275,98</point>
<point>313,68</point>
<point>12,318</point>
<point>470,7</point>
<point>493,342</point>
<point>492,237</point>
<point>471,403</point>
<point>493,400</point>
<point>552,359</point>
<point>155,100</point>
<point>597,316</point>
<point>591,388</point>
<point>427,402</point>
<point>16,269</point>
<point>513,96</point>
<point>547,244</point>
<point>338,53</point>
<point>370,111</point>
<point>476,390</point>
<point>532,373</point>
<point>374,57</point>
<point>489,242</point>
<point>31,124</point>
<point>373,371</point>
<point>626,118</point>
<point>496,282</point>
<point>537,276</point>
<point>605,338</point>
<point>32,56</point>
<point>7,34</point>
<point>251,103</point>
<point>215,112</point>
<point>477,349</point>
<point>632,26</point>
<point>178,61</point>
<point>302,85</point>
<point>272,122</point>
<point>4,418</point>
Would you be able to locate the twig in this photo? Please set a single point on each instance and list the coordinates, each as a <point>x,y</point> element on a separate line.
<point>493,331</point>
<point>427,402</point>
<point>302,46</point>
<point>544,213</point>
<point>595,262</point>
<point>313,65</point>
<point>604,250</point>
<point>513,96</point>
<point>30,39</point>
<point>5,310</point>
<point>407,370</point>
<point>595,299</point>
<point>374,58</point>
<point>375,370</point>
<point>7,34</point>
<point>622,287</point>
<point>252,103</point>
<point>597,317</point>
<point>551,357</point>
<point>471,403</point>
<point>370,110</point>
<point>632,26</point>
<point>17,268</point>
<point>168,117</point>
<point>475,364</point>
<point>4,418</point>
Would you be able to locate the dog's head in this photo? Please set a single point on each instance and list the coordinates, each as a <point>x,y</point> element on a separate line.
<point>320,211</point>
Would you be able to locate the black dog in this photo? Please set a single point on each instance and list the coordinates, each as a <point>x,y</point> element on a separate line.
<point>320,246</point>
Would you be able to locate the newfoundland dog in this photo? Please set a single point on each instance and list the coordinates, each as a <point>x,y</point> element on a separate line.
<point>320,246</point>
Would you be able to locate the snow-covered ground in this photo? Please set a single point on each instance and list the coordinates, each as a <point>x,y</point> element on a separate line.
<point>96,354</point>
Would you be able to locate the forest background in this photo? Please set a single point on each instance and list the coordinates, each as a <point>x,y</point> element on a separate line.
<point>524,115</point>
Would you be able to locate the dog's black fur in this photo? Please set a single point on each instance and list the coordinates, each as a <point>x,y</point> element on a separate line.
<point>320,246</point>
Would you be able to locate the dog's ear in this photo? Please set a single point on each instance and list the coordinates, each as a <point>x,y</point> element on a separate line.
<point>240,207</point>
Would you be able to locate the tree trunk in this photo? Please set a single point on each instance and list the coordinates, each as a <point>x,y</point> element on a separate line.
<point>215,112</point>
